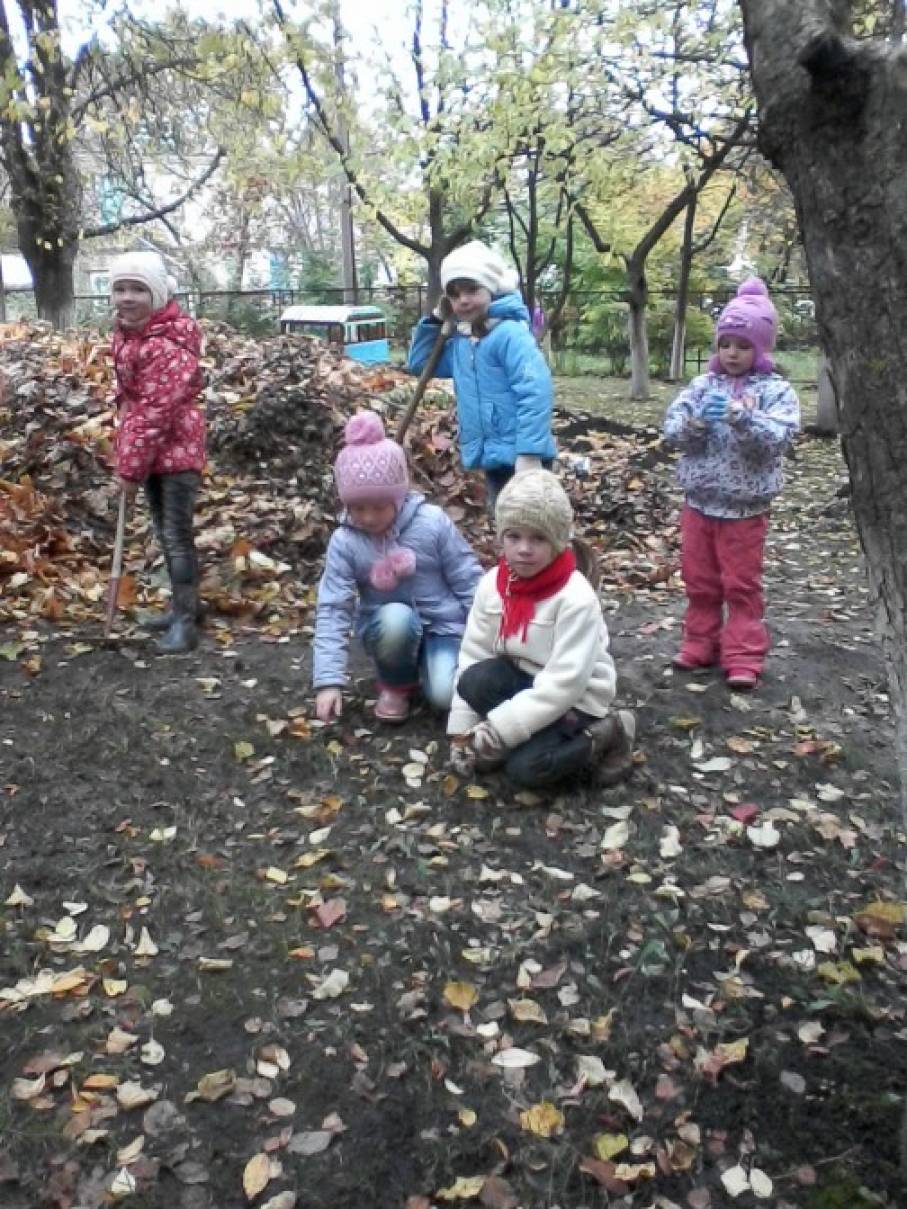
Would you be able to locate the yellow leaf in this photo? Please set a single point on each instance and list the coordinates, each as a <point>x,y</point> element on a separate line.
<point>527,1011</point>
<point>273,874</point>
<point>543,1119</point>
<point>308,859</point>
<point>467,1117</point>
<point>607,1145</point>
<point>243,750</point>
<point>476,791</point>
<point>256,1176</point>
<point>838,973</point>
<point>733,1051</point>
<point>114,986</point>
<point>465,1188</point>
<point>874,953</point>
<point>101,1082</point>
<point>461,995</point>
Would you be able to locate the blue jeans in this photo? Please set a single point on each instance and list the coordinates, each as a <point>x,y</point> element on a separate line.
<point>405,656</point>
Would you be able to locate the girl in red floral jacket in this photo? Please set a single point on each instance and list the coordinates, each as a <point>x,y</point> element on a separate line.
<point>161,432</point>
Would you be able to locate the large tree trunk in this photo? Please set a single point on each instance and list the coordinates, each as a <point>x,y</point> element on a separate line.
<point>52,276</point>
<point>832,116</point>
<point>638,299</point>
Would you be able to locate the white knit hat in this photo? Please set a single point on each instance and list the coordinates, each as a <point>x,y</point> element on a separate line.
<point>475,262</point>
<point>536,500</point>
<point>150,270</point>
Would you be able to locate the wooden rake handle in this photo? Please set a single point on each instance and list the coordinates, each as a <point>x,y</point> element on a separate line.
<point>116,569</point>
<point>428,371</point>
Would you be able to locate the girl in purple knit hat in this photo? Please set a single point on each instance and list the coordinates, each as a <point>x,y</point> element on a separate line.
<point>732,425</point>
<point>399,573</point>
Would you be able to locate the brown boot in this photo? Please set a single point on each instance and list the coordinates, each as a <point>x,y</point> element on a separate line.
<point>611,757</point>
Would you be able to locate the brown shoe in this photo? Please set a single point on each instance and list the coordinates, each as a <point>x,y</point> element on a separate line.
<point>612,747</point>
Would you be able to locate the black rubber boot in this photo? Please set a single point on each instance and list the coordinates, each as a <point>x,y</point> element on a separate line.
<point>182,635</point>
<point>159,623</point>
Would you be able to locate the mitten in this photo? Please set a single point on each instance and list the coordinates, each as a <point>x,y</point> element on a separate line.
<point>716,405</point>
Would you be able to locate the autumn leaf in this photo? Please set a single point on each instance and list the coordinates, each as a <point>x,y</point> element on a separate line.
<point>543,1119</point>
<point>256,1175</point>
<point>461,995</point>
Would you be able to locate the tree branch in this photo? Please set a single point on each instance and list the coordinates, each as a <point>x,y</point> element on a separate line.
<point>139,219</point>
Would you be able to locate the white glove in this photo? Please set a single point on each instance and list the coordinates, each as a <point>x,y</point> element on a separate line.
<point>527,461</point>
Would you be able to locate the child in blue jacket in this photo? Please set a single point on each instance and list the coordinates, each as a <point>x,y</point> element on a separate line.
<point>503,385</point>
<point>399,573</point>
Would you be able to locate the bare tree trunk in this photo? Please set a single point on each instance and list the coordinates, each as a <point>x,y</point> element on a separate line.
<point>832,112</point>
<point>675,372</point>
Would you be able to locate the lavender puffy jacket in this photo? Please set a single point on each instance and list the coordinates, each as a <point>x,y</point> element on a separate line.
<point>440,590</point>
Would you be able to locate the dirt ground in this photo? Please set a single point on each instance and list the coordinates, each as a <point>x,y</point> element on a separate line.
<point>298,965</point>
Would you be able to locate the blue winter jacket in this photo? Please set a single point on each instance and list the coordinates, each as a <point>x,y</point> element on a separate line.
<point>503,386</point>
<point>440,590</point>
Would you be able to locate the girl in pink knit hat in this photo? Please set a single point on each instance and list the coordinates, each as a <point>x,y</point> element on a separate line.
<point>398,573</point>
<point>732,425</point>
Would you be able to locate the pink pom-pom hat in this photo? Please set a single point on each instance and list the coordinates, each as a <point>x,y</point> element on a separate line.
<point>370,467</point>
<point>751,316</point>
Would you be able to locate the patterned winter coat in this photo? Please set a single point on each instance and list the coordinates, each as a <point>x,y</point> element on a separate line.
<point>161,427</point>
<point>732,469</point>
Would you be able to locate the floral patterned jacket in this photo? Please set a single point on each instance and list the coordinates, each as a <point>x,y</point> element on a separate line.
<point>161,427</point>
<point>732,469</point>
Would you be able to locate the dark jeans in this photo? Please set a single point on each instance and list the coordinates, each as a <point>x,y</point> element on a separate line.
<point>498,477</point>
<point>171,498</point>
<point>553,753</point>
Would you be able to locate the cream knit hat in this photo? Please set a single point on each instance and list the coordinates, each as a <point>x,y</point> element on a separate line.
<point>536,500</point>
<point>474,261</point>
<point>150,270</point>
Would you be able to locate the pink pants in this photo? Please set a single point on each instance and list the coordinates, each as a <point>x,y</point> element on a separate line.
<point>721,564</point>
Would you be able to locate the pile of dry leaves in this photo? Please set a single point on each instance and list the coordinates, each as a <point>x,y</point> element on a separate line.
<point>276,409</point>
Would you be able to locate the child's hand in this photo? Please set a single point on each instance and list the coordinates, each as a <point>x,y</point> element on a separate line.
<point>715,408</point>
<point>489,747</point>
<point>444,309</point>
<point>462,756</point>
<point>328,704</point>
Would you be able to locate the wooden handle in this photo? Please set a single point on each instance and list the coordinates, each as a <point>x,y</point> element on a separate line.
<point>425,377</point>
<point>116,569</point>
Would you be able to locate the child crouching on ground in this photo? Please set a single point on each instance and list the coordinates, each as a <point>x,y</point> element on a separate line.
<point>397,570</point>
<point>535,680</point>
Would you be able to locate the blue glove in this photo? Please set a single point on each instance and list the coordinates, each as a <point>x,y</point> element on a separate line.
<point>716,405</point>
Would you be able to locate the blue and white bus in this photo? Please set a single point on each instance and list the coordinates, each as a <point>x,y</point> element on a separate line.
<point>360,330</point>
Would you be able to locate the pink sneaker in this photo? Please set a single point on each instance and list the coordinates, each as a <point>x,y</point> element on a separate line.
<point>392,705</point>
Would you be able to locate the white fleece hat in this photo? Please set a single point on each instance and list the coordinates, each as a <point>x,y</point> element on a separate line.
<point>536,500</point>
<point>150,270</point>
<point>474,261</point>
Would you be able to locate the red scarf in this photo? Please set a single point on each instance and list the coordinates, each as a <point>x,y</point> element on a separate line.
<point>520,596</point>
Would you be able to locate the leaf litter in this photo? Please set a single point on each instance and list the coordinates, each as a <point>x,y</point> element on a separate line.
<point>311,962</point>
